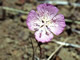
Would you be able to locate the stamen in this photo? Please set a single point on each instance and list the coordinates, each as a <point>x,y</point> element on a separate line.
<point>47,33</point>
<point>36,29</point>
<point>42,21</point>
<point>40,35</point>
<point>42,25</point>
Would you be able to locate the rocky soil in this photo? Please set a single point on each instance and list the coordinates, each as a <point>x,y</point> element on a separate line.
<point>17,41</point>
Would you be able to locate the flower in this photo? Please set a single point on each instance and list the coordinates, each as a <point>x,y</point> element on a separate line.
<point>45,22</point>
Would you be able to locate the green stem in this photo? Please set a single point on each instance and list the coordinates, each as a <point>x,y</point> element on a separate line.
<point>15,10</point>
<point>69,20</point>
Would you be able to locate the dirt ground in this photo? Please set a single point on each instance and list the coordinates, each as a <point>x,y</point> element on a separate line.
<point>17,41</point>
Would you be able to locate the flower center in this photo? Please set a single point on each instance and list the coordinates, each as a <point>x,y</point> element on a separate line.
<point>46,21</point>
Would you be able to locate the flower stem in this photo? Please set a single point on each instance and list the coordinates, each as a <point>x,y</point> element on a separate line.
<point>39,44</point>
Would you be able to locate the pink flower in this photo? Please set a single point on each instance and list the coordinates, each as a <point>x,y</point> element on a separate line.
<point>44,22</point>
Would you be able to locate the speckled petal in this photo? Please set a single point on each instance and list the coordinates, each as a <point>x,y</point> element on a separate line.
<point>47,8</point>
<point>43,35</point>
<point>33,22</point>
<point>58,24</point>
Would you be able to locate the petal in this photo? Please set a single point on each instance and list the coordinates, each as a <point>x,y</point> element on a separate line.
<point>59,19</point>
<point>43,35</point>
<point>47,8</point>
<point>33,22</point>
<point>57,25</point>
